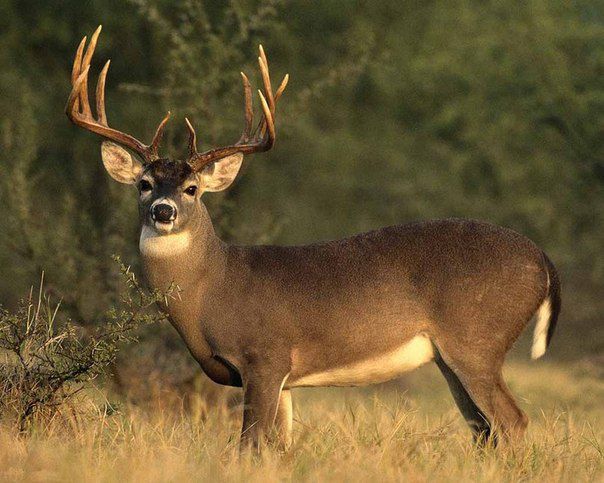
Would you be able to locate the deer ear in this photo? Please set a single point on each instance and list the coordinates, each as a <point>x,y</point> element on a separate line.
<point>219,175</point>
<point>120,165</point>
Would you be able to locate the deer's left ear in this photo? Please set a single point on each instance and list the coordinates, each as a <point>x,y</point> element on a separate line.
<point>219,175</point>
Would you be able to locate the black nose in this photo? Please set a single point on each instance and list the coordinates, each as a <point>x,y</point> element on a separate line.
<point>163,212</point>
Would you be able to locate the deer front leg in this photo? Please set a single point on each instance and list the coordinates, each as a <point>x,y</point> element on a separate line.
<point>284,419</point>
<point>262,390</point>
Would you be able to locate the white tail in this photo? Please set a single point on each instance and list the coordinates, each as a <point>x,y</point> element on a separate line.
<point>541,327</point>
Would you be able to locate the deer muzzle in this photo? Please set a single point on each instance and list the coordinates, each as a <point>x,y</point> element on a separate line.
<point>163,212</point>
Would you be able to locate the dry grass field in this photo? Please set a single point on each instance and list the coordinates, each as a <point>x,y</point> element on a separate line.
<point>407,431</point>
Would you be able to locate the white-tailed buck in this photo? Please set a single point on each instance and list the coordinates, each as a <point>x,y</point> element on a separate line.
<point>343,313</point>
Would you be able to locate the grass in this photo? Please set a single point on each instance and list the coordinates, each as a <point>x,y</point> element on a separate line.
<point>408,430</point>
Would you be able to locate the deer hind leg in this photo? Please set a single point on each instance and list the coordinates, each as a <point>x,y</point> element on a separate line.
<point>492,396</point>
<point>511,418</point>
<point>284,419</point>
<point>483,398</point>
<point>476,419</point>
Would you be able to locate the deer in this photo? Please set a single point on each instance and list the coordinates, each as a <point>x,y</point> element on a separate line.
<point>350,312</point>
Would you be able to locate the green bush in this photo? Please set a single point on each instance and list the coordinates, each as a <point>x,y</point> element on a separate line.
<point>46,360</point>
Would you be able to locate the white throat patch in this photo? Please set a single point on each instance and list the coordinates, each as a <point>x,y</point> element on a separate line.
<point>153,244</point>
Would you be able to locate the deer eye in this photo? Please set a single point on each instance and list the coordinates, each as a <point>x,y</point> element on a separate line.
<point>145,186</point>
<point>191,190</point>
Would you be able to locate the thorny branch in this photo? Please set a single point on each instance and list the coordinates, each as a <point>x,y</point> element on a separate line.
<point>47,360</point>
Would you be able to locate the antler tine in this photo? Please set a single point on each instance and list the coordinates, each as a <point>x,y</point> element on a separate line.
<point>83,98</point>
<point>100,95</point>
<point>91,46</point>
<point>268,119</point>
<point>249,111</point>
<point>77,66</point>
<point>192,139</point>
<point>77,61</point>
<point>84,102</point>
<point>266,79</point>
<point>159,133</point>
<point>282,87</point>
<point>78,106</point>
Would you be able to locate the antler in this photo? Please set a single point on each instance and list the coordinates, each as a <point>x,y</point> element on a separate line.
<point>252,140</point>
<point>78,107</point>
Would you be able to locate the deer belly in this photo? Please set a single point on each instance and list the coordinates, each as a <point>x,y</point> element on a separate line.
<point>379,368</point>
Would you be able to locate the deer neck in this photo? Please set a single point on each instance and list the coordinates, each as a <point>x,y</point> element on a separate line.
<point>193,260</point>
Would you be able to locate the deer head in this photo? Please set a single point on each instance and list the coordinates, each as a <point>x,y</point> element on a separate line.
<point>169,190</point>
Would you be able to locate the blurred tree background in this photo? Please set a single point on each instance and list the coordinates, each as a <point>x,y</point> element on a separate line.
<point>396,111</point>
